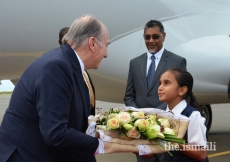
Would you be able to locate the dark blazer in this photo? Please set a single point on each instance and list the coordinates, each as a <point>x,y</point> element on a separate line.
<point>178,156</point>
<point>92,110</point>
<point>137,93</point>
<point>47,116</point>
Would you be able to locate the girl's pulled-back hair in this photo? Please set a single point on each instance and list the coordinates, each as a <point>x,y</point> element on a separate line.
<point>184,78</point>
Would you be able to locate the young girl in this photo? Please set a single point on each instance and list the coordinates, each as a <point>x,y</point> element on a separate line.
<point>175,89</point>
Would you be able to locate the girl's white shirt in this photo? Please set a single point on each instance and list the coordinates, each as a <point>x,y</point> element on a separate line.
<point>196,127</point>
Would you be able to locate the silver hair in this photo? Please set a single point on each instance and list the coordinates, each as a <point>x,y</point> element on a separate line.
<point>82,29</point>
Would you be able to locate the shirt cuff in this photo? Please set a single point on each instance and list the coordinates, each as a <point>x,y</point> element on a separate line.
<point>100,148</point>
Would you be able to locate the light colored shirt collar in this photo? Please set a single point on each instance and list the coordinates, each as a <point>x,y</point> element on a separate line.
<point>80,61</point>
<point>178,108</point>
<point>157,59</point>
<point>196,128</point>
<point>157,54</point>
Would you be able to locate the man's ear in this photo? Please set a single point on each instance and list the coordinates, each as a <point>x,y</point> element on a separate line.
<point>91,43</point>
<point>183,90</point>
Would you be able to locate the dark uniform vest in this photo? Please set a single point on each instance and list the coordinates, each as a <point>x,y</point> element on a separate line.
<point>177,155</point>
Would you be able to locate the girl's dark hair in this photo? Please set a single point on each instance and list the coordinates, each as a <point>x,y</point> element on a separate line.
<point>184,78</point>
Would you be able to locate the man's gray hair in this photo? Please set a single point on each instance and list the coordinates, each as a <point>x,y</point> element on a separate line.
<point>82,29</point>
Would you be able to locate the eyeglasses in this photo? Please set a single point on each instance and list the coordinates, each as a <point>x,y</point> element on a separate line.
<point>155,37</point>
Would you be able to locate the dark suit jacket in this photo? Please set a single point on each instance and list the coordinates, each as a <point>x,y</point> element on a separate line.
<point>137,93</point>
<point>92,108</point>
<point>47,116</point>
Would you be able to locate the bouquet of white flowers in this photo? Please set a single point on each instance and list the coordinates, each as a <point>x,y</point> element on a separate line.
<point>138,127</point>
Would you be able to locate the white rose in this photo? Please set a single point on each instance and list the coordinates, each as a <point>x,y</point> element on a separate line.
<point>138,114</point>
<point>169,131</point>
<point>164,122</point>
<point>124,118</point>
<point>113,115</point>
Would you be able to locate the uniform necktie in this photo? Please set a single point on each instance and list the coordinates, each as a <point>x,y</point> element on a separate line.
<point>151,72</point>
<point>90,89</point>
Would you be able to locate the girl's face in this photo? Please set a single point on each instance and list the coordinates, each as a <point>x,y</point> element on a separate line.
<point>169,91</point>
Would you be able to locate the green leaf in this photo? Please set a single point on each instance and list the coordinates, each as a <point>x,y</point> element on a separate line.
<point>158,122</point>
<point>130,111</point>
<point>173,138</point>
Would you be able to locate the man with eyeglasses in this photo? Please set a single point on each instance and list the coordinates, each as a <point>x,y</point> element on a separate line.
<point>145,71</point>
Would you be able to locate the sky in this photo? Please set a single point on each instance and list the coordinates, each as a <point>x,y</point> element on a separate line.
<point>6,85</point>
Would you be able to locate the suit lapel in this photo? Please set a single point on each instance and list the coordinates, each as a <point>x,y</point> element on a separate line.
<point>82,87</point>
<point>160,67</point>
<point>143,65</point>
<point>77,75</point>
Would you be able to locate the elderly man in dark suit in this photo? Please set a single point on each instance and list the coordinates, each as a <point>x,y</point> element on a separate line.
<point>146,69</point>
<point>87,80</point>
<point>48,112</point>
<point>86,76</point>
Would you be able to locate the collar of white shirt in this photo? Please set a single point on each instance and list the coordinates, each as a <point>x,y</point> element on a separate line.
<point>157,55</point>
<point>80,61</point>
<point>178,108</point>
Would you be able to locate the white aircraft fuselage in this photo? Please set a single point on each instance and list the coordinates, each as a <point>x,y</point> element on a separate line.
<point>196,30</point>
